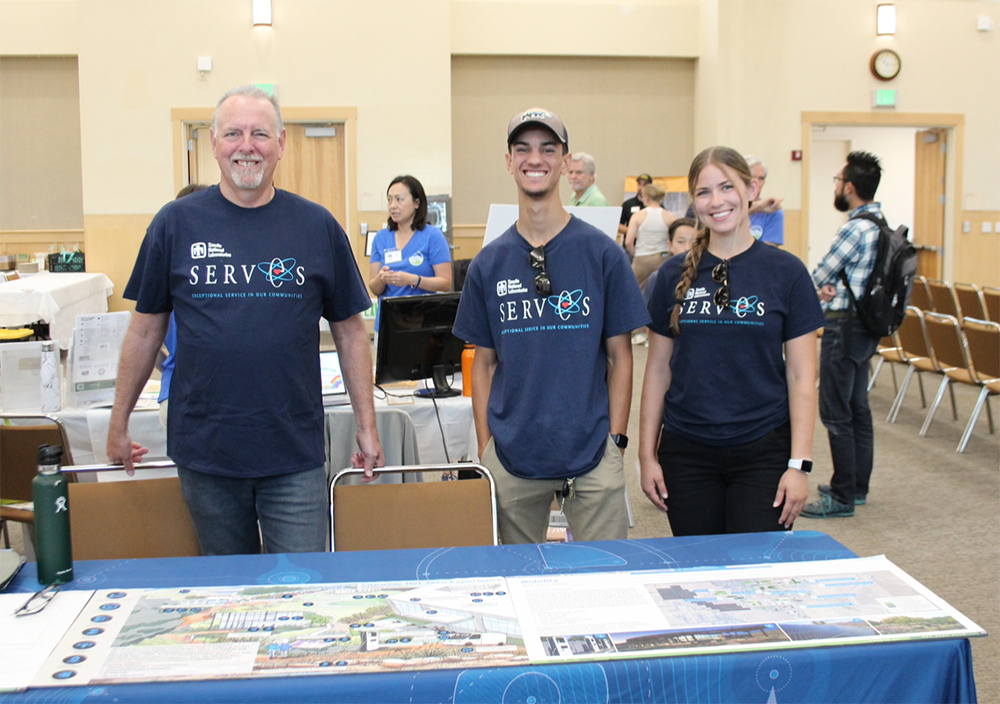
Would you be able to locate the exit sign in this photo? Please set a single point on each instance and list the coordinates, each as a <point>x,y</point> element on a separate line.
<point>884,98</point>
<point>269,88</point>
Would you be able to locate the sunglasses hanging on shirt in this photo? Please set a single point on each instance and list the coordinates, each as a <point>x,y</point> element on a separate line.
<point>536,257</point>
<point>720,275</point>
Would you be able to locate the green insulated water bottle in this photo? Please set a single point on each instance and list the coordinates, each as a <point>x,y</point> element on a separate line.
<point>52,541</point>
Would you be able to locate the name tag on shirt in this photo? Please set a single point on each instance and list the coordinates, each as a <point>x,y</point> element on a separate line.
<point>393,256</point>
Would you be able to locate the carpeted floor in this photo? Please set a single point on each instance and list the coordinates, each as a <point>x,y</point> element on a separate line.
<point>932,511</point>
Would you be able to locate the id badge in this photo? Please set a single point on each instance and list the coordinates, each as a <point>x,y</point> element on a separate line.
<point>393,256</point>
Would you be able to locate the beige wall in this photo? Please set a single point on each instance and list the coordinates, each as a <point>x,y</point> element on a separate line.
<point>40,185</point>
<point>631,114</point>
<point>663,28</point>
<point>39,27</point>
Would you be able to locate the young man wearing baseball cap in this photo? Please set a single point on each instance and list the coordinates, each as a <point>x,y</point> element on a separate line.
<point>550,306</point>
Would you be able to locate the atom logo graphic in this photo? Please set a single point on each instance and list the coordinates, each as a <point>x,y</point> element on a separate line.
<point>566,303</point>
<point>277,270</point>
<point>744,306</point>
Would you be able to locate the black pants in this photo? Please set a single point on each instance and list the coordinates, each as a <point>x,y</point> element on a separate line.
<point>843,406</point>
<point>713,490</point>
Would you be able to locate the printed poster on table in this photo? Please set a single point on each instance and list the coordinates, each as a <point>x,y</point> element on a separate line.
<point>145,635</point>
<point>752,607</point>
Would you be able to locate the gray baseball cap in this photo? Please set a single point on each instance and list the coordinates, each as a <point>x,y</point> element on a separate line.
<point>537,116</point>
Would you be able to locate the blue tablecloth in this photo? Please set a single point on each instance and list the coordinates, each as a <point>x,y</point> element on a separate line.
<point>931,671</point>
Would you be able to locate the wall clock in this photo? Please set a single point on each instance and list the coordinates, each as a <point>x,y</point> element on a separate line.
<point>885,64</point>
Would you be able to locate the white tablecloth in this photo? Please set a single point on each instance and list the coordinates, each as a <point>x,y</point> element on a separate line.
<point>456,419</point>
<point>55,299</point>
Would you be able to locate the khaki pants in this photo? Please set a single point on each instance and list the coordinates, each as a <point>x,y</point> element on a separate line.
<point>597,511</point>
<point>643,266</point>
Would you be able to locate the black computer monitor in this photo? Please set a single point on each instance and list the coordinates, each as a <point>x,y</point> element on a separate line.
<point>415,341</point>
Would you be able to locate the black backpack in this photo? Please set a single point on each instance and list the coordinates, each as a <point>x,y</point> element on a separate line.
<point>882,308</point>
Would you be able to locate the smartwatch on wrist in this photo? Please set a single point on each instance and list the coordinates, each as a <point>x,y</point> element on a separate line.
<point>804,466</point>
<point>620,440</point>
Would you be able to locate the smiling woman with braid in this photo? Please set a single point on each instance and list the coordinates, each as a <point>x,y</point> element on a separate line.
<point>726,420</point>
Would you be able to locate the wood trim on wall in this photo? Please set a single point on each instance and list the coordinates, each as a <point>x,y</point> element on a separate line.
<point>8,237</point>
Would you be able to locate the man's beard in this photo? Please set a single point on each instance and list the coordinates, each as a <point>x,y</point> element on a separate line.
<point>840,203</point>
<point>247,178</point>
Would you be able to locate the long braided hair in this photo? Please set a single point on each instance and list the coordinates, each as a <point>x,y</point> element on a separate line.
<point>719,156</point>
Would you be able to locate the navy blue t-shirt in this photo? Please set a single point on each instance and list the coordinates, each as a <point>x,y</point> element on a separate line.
<point>548,408</point>
<point>247,286</point>
<point>728,384</point>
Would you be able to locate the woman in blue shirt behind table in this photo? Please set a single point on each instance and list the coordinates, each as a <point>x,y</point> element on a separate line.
<point>409,257</point>
<point>726,420</point>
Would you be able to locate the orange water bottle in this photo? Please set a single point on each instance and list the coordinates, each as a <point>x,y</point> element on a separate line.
<point>468,354</point>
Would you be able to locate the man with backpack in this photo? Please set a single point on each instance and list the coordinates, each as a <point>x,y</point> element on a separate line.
<point>847,342</point>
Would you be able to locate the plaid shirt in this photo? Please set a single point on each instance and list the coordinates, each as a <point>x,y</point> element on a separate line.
<point>854,249</point>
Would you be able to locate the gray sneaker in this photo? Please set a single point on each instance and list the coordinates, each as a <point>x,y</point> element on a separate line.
<point>859,499</point>
<point>827,507</point>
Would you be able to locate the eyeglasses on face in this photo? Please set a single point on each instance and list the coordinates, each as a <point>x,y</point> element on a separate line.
<point>543,285</point>
<point>720,275</point>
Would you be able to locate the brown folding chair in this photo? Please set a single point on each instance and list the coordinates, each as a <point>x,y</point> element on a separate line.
<point>948,348</point>
<point>944,299</point>
<point>991,297</point>
<point>19,463</point>
<point>443,514</point>
<point>911,339</point>
<point>920,295</point>
<point>970,302</point>
<point>983,338</point>
<point>887,351</point>
<point>129,519</point>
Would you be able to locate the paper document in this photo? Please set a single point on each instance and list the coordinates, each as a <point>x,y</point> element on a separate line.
<point>28,640</point>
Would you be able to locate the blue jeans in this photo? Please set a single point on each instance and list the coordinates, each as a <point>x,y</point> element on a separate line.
<point>292,511</point>
<point>843,406</point>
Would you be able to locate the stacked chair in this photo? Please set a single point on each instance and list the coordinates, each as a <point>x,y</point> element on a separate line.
<point>953,331</point>
<point>983,344</point>
<point>911,338</point>
<point>991,299</point>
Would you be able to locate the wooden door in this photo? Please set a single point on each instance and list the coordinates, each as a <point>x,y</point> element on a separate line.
<point>928,201</point>
<point>315,167</point>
